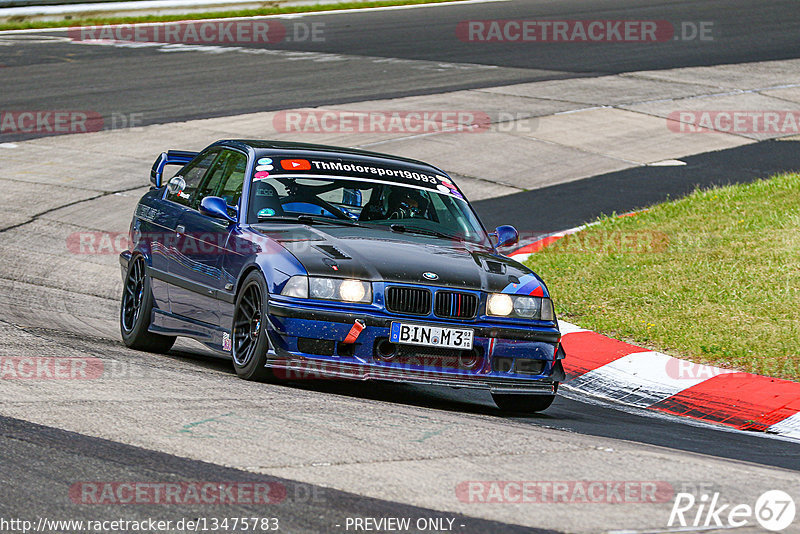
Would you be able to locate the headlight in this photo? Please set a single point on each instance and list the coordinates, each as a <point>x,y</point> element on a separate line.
<point>353,290</point>
<point>499,304</point>
<point>328,289</point>
<point>519,306</point>
<point>321,288</point>
<point>527,306</point>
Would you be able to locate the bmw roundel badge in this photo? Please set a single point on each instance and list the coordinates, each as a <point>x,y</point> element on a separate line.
<point>430,276</point>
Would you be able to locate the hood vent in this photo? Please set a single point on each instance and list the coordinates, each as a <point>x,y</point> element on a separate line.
<point>494,267</point>
<point>333,252</point>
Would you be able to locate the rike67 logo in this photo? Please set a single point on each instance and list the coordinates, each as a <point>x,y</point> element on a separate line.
<point>774,510</point>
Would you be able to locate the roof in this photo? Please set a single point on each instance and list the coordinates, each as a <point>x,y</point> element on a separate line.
<point>282,147</point>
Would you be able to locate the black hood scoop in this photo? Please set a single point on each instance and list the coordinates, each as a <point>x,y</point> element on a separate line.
<point>494,267</point>
<point>333,252</point>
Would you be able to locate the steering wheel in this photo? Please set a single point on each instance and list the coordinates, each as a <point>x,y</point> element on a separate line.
<point>314,201</point>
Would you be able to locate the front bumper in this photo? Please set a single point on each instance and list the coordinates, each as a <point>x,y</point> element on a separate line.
<point>504,359</point>
<point>313,370</point>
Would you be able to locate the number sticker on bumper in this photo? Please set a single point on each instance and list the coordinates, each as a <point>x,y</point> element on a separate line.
<point>431,336</point>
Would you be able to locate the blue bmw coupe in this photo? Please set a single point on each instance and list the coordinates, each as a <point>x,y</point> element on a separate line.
<point>305,261</point>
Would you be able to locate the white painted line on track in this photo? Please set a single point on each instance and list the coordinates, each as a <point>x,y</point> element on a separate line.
<point>667,163</point>
<point>32,39</point>
<point>276,16</point>
<point>390,8</point>
<point>288,55</point>
<point>108,6</point>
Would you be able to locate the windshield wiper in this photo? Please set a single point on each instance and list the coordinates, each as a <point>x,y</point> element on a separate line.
<point>424,231</point>
<point>308,219</point>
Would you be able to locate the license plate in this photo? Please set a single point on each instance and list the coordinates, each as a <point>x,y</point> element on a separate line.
<point>431,336</point>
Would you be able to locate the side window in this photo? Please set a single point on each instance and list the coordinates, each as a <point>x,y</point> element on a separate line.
<point>192,175</point>
<point>231,189</point>
<point>225,179</point>
<point>214,177</point>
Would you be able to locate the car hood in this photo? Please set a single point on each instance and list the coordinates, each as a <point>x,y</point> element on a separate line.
<point>378,254</point>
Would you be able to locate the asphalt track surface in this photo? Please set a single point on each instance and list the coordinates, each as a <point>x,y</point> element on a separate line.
<point>572,204</point>
<point>418,48</point>
<point>58,456</point>
<point>38,462</point>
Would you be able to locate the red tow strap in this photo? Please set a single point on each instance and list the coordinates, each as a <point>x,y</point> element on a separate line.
<point>358,326</point>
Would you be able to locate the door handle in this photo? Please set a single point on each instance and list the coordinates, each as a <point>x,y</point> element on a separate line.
<point>180,229</point>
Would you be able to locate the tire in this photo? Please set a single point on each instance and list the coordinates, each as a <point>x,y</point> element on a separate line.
<point>136,307</point>
<point>249,331</point>
<point>523,403</point>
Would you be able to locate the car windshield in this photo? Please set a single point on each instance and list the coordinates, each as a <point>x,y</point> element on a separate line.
<point>337,200</point>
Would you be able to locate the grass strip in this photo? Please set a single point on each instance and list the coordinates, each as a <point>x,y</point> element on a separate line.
<point>21,23</point>
<point>713,277</point>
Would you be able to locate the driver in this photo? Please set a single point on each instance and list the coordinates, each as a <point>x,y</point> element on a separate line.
<point>406,203</point>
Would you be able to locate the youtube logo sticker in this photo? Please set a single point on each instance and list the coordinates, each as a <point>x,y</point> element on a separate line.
<point>295,164</point>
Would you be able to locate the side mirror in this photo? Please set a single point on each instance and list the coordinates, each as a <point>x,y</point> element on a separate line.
<point>215,207</point>
<point>506,236</point>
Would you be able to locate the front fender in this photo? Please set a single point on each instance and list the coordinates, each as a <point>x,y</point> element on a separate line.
<point>125,259</point>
